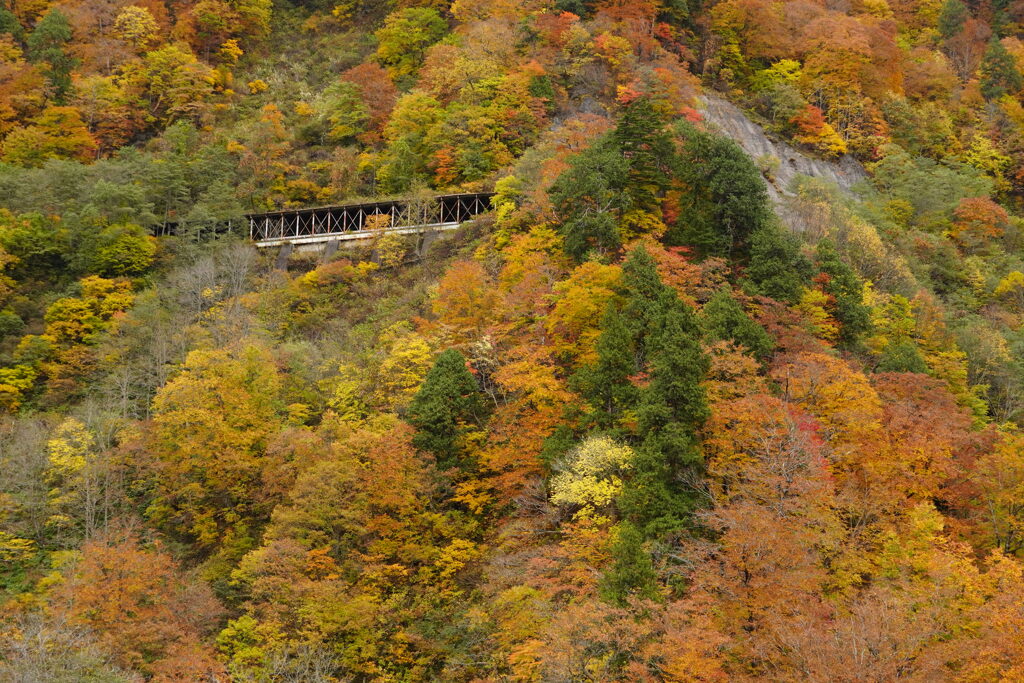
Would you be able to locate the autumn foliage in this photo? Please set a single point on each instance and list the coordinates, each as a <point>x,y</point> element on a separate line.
<point>664,412</point>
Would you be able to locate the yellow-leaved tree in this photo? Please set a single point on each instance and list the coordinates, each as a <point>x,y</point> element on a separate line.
<point>207,449</point>
<point>73,474</point>
<point>590,475</point>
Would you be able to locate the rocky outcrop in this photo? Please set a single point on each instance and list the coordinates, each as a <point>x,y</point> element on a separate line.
<point>790,162</point>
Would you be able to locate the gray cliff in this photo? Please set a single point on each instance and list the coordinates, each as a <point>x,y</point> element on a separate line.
<point>790,162</point>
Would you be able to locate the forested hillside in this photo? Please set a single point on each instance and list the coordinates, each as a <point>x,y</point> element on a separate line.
<point>629,425</point>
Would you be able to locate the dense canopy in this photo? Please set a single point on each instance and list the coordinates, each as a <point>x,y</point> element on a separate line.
<point>656,416</point>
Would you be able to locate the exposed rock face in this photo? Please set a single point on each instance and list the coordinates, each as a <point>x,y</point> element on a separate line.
<point>730,121</point>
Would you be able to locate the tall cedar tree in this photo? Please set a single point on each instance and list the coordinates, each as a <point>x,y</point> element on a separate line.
<point>641,138</point>
<point>643,288</point>
<point>632,572</point>
<point>621,347</point>
<point>625,170</point>
<point>724,319</point>
<point>10,24</point>
<point>952,17</point>
<point>677,367</point>
<point>777,268</point>
<point>671,406</point>
<point>999,73</point>
<point>606,383</point>
<point>589,199</point>
<point>902,356</point>
<point>47,44</point>
<point>447,406</point>
<point>724,201</point>
<point>580,8</point>
<point>847,290</point>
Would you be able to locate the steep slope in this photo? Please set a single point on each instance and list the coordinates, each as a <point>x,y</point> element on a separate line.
<point>780,161</point>
<point>622,428</point>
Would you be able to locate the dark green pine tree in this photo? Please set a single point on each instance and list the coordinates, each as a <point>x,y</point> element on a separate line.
<point>605,384</point>
<point>653,498</point>
<point>724,319</point>
<point>660,497</point>
<point>902,356</point>
<point>725,199</point>
<point>644,289</point>
<point>848,291</point>
<point>589,199</point>
<point>777,268</point>
<point>47,44</point>
<point>10,24</point>
<point>951,18</point>
<point>999,74</point>
<point>677,367</point>
<point>676,12</point>
<point>581,8</point>
<point>541,88</point>
<point>1002,22</point>
<point>626,169</point>
<point>632,573</point>
<point>447,405</point>
<point>641,138</point>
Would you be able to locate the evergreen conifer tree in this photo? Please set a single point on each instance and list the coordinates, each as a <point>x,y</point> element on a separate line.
<point>644,289</point>
<point>725,201</point>
<point>999,73</point>
<point>447,405</point>
<point>902,356</point>
<point>677,367</point>
<point>724,319</point>
<point>589,199</point>
<point>673,405</point>
<point>632,573</point>
<point>951,18</point>
<point>848,291</point>
<point>641,138</point>
<point>47,43</point>
<point>605,384</point>
<point>777,268</point>
<point>578,7</point>
<point>627,169</point>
